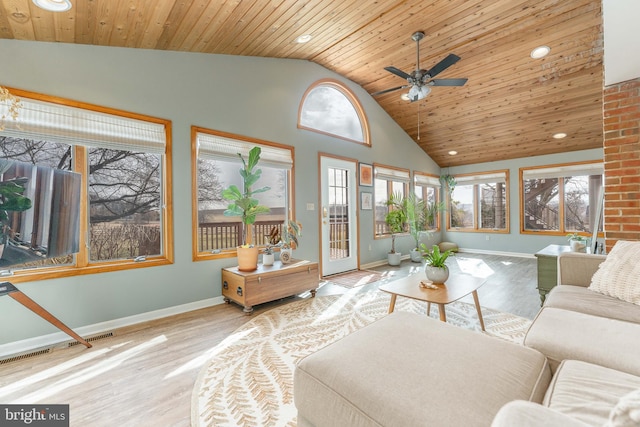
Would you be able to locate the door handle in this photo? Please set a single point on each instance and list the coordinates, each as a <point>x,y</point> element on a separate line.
<point>324,212</point>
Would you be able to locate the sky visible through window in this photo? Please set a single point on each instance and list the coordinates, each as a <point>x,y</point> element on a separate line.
<point>329,110</point>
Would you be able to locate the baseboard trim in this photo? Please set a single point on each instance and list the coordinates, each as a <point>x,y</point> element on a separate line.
<point>57,338</point>
<point>462,250</point>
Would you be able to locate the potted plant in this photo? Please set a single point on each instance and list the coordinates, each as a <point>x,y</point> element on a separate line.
<point>577,242</point>
<point>244,204</point>
<point>435,267</point>
<point>290,232</point>
<point>268,256</point>
<point>11,200</point>
<point>395,219</point>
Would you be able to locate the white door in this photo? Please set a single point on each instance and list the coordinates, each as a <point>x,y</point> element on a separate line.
<point>338,213</point>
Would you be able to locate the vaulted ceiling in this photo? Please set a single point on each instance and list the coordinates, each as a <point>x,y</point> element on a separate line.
<point>510,106</point>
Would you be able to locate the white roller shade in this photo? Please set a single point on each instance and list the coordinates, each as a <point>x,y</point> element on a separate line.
<point>432,181</point>
<point>481,178</point>
<point>46,121</point>
<point>216,147</point>
<point>390,174</point>
<point>564,171</point>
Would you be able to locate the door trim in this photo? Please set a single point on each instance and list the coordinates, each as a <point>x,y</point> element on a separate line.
<point>357,205</point>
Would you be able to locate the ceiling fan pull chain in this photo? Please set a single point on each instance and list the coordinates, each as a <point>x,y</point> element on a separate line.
<point>418,121</point>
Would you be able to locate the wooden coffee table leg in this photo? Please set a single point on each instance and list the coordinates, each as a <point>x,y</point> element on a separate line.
<point>443,316</point>
<point>428,308</point>
<point>392,304</point>
<point>475,299</point>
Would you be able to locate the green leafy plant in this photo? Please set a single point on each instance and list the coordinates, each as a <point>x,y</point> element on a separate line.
<point>396,218</point>
<point>449,182</point>
<point>11,199</point>
<point>290,233</point>
<point>577,237</point>
<point>243,203</point>
<point>434,257</point>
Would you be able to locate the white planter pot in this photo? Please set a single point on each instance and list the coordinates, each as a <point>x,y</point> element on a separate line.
<point>268,259</point>
<point>578,246</point>
<point>437,275</point>
<point>416,255</point>
<point>394,258</point>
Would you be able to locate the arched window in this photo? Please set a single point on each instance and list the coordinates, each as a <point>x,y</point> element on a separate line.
<point>328,107</point>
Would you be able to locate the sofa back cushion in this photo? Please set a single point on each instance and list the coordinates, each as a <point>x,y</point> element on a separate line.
<point>619,275</point>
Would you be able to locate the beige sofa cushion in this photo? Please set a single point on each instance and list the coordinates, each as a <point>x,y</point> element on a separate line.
<point>588,392</point>
<point>408,370</point>
<point>583,300</point>
<point>619,275</point>
<point>563,334</point>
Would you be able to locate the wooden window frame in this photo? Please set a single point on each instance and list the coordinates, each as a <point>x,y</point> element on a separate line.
<point>82,265</point>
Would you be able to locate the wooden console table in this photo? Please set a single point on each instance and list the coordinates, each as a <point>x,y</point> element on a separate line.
<point>269,283</point>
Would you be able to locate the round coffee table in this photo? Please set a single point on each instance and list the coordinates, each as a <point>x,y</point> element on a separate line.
<point>457,286</point>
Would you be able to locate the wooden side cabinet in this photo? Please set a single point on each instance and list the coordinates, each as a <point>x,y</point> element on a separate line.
<point>548,268</point>
<point>269,283</point>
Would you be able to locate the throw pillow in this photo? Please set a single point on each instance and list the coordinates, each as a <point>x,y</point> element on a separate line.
<point>627,412</point>
<point>619,275</point>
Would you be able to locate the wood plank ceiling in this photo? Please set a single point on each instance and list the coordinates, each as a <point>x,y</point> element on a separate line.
<point>509,108</point>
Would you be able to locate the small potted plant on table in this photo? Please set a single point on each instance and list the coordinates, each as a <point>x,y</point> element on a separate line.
<point>244,204</point>
<point>577,242</point>
<point>435,267</point>
<point>290,232</point>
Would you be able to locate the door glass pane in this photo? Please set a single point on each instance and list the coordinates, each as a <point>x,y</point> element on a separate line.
<point>339,206</point>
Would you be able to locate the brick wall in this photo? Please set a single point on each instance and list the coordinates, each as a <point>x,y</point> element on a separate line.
<point>621,111</point>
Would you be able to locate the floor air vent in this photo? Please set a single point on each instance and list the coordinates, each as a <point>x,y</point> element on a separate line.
<point>25,356</point>
<point>94,338</point>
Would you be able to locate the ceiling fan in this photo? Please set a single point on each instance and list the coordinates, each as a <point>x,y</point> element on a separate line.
<point>421,80</point>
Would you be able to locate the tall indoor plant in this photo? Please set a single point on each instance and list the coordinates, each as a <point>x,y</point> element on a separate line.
<point>395,219</point>
<point>244,204</point>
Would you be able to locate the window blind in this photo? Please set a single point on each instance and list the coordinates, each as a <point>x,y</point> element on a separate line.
<point>51,122</point>
<point>420,179</point>
<point>481,178</point>
<point>382,172</point>
<point>564,171</point>
<point>214,147</point>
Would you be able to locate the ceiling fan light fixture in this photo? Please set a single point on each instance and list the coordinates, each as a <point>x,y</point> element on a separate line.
<point>405,97</point>
<point>305,38</point>
<point>540,52</point>
<point>53,5</point>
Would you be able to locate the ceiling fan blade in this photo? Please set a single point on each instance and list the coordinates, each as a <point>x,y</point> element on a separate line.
<point>448,82</point>
<point>398,72</point>
<point>389,90</point>
<point>443,65</point>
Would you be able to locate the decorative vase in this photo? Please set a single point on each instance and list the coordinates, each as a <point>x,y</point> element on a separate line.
<point>416,255</point>
<point>394,258</point>
<point>286,255</point>
<point>268,259</point>
<point>438,275</point>
<point>247,258</point>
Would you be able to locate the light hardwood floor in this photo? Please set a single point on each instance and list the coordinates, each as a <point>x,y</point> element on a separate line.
<point>144,375</point>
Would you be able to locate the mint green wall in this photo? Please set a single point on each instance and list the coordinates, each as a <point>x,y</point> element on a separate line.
<point>257,97</point>
<point>514,241</point>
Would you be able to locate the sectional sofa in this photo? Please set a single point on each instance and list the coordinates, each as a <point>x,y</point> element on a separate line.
<point>579,365</point>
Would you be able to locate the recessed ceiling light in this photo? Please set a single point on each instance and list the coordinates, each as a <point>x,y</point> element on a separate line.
<point>405,97</point>
<point>53,5</point>
<point>453,152</point>
<point>540,52</point>
<point>304,38</point>
<point>559,135</point>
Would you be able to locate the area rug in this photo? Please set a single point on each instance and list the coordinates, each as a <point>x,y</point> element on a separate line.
<point>248,380</point>
<point>354,279</point>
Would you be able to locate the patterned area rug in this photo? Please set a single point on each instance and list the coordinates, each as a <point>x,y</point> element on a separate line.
<point>249,379</point>
<point>354,279</point>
